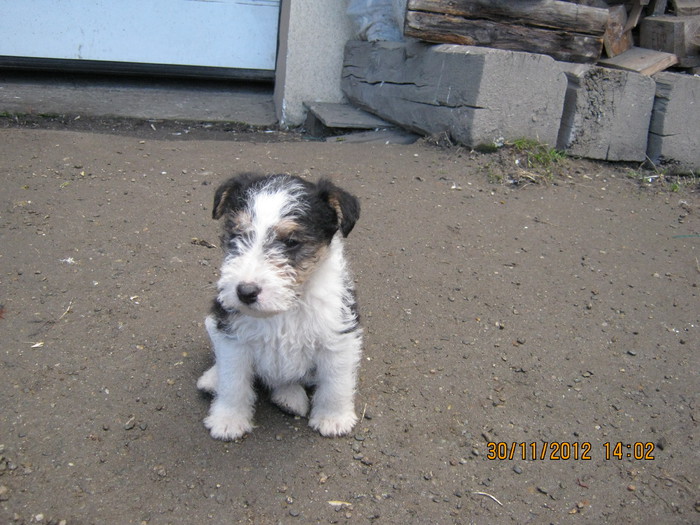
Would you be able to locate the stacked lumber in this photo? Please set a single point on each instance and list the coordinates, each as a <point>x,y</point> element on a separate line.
<point>645,36</point>
<point>667,34</point>
<point>677,33</point>
<point>562,30</point>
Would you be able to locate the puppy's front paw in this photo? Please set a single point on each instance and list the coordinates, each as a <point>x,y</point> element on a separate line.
<point>208,382</point>
<point>333,425</point>
<point>227,425</point>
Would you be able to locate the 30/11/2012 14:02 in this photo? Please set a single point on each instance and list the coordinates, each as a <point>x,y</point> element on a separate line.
<point>564,450</point>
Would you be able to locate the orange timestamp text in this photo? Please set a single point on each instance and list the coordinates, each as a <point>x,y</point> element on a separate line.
<point>567,450</point>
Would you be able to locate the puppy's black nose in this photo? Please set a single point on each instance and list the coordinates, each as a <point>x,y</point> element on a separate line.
<point>248,292</point>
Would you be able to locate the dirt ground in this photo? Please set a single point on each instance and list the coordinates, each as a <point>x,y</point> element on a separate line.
<point>513,337</point>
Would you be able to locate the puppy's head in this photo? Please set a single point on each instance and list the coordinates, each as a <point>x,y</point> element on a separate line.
<point>277,230</point>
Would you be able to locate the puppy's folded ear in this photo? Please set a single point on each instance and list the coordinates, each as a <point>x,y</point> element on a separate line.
<point>231,194</point>
<point>346,206</point>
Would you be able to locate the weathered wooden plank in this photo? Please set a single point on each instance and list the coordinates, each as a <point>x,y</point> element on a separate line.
<point>616,39</point>
<point>656,7</point>
<point>562,45</point>
<point>635,14</point>
<point>686,7</point>
<point>644,61</point>
<point>540,13</point>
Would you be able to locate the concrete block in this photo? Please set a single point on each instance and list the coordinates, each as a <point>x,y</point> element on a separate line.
<point>606,113</point>
<point>674,133</point>
<point>476,95</point>
<point>312,36</point>
<point>323,117</point>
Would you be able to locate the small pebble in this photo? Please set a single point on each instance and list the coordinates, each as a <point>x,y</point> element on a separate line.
<point>662,443</point>
<point>517,469</point>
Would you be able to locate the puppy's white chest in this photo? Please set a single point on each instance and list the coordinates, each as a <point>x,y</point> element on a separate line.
<point>281,353</point>
<point>283,364</point>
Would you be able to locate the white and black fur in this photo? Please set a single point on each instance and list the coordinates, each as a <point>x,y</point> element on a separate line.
<point>285,312</point>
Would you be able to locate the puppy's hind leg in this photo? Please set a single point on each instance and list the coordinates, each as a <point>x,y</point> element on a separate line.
<point>209,380</point>
<point>291,398</point>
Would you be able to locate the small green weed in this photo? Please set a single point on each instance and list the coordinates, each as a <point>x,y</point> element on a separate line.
<point>664,179</point>
<point>538,155</point>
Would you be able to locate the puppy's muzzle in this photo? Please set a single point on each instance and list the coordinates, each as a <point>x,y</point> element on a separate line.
<point>248,292</point>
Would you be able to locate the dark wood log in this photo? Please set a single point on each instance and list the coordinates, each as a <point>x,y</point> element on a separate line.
<point>539,13</point>
<point>562,45</point>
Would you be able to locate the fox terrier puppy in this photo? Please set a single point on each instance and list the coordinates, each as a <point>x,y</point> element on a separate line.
<point>285,312</point>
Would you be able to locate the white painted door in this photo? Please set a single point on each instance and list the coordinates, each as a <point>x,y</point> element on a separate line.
<point>239,34</point>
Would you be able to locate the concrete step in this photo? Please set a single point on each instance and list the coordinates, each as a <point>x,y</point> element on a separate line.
<point>30,93</point>
<point>323,118</point>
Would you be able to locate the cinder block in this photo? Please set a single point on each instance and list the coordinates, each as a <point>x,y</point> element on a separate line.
<point>674,133</point>
<point>606,113</point>
<point>476,95</point>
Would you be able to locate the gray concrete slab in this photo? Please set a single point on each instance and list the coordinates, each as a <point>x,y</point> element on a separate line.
<point>475,95</point>
<point>345,116</point>
<point>141,98</point>
<point>606,113</point>
<point>382,136</point>
<point>674,134</point>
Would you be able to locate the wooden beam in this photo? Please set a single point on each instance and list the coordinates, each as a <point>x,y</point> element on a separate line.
<point>635,14</point>
<point>562,45</point>
<point>540,13</point>
<point>673,34</point>
<point>686,7</point>
<point>656,7</point>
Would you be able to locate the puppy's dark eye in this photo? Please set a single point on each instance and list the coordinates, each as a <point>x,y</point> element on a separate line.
<point>290,243</point>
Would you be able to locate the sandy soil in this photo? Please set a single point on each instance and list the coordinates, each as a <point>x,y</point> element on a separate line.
<point>514,336</point>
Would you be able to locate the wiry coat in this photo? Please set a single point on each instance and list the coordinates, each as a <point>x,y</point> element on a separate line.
<point>285,310</point>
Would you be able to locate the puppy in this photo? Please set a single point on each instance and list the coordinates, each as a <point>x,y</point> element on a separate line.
<point>285,312</point>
